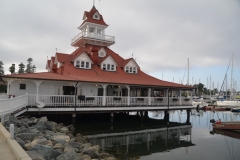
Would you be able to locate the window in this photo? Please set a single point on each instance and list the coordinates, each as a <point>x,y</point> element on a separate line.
<point>99,31</point>
<point>112,67</point>
<point>127,69</point>
<point>82,64</point>
<point>130,70</point>
<point>108,67</point>
<point>78,64</point>
<point>22,86</point>
<point>104,66</point>
<point>91,29</point>
<point>87,64</point>
<point>134,69</point>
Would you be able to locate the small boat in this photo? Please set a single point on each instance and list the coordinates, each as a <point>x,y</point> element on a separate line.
<point>230,125</point>
<point>233,134</point>
<point>237,109</point>
<point>199,104</point>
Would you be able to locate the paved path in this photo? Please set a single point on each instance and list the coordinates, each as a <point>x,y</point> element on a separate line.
<point>5,151</point>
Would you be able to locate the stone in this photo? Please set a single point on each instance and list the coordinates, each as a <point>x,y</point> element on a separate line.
<point>58,127</point>
<point>70,135</point>
<point>46,151</point>
<point>27,146</point>
<point>80,139</point>
<point>12,120</point>
<point>49,125</point>
<point>61,141</point>
<point>34,130</point>
<point>64,130</point>
<point>58,146</point>
<point>106,155</point>
<point>71,128</point>
<point>26,136</point>
<point>91,153</point>
<point>86,146</point>
<point>56,153</point>
<point>69,156</point>
<point>40,125</point>
<point>20,141</point>
<point>76,145</point>
<point>86,157</point>
<point>35,155</point>
<point>43,119</point>
<point>24,120</point>
<point>41,141</point>
<point>69,148</point>
<point>65,137</point>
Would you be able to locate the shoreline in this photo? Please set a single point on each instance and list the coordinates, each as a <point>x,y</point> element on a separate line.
<point>48,140</point>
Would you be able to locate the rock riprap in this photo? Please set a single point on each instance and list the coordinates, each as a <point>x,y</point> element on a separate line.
<point>46,140</point>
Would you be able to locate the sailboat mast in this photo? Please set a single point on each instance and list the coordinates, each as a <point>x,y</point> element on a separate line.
<point>231,85</point>
<point>188,73</point>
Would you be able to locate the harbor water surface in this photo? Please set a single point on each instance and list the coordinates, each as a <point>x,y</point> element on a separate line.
<point>130,137</point>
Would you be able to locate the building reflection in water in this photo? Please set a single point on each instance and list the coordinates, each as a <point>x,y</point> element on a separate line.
<point>143,142</point>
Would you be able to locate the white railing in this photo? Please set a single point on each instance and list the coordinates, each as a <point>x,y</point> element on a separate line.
<point>140,101</point>
<point>159,101</point>
<point>93,35</point>
<point>10,105</point>
<point>116,101</point>
<point>3,96</point>
<point>90,101</point>
<point>69,100</point>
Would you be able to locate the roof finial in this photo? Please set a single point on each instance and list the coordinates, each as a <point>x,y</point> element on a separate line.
<point>93,2</point>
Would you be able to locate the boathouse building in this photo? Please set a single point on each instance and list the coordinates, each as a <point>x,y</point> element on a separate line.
<point>94,75</point>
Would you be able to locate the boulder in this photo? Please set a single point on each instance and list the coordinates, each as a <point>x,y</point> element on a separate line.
<point>26,136</point>
<point>106,156</point>
<point>56,153</point>
<point>64,130</point>
<point>27,146</point>
<point>76,145</point>
<point>34,130</point>
<point>44,150</point>
<point>43,119</point>
<point>80,139</point>
<point>20,141</point>
<point>70,135</point>
<point>50,125</point>
<point>40,125</point>
<point>58,146</point>
<point>64,137</point>
<point>91,153</point>
<point>69,156</point>
<point>42,142</point>
<point>69,148</point>
<point>86,146</point>
<point>86,157</point>
<point>35,155</point>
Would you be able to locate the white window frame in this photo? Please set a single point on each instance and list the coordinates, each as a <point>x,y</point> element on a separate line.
<point>130,69</point>
<point>78,64</point>
<point>92,29</point>
<point>87,64</point>
<point>82,64</point>
<point>99,31</point>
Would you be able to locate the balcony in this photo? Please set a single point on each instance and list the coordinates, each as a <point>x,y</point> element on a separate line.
<point>92,38</point>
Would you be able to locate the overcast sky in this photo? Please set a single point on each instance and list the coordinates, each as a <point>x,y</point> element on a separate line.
<point>161,34</point>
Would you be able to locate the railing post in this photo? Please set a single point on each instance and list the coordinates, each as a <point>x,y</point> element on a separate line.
<point>12,131</point>
<point>149,96</point>
<point>104,94</point>
<point>128,98</point>
<point>180,96</point>
<point>2,119</point>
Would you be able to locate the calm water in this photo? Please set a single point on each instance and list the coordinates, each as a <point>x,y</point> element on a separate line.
<point>129,137</point>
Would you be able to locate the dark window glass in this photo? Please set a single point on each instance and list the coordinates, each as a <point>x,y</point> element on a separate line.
<point>23,86</point>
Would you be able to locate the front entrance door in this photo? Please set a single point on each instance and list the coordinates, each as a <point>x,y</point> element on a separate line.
<point>68,90</point>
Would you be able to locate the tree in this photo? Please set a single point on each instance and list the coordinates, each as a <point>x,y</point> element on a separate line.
<point>21,68</point>
<point>1,68</point>
<point>30,68</point>
<point>12,69</point>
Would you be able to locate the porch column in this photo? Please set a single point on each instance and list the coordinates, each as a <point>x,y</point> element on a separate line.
<point>2,119</point>
<point>8,85</point>
<point>37,84</point>
<point>180,97</point>
<point>104,94</point>
<point>128,98</point>
<point>149,96</point>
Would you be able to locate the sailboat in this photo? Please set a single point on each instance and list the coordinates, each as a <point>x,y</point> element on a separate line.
<point>229,103</point>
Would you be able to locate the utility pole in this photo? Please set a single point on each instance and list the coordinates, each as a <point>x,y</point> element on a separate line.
<point>188,73</point>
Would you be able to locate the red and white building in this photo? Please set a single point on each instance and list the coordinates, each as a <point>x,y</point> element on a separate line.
<point>94,75</point>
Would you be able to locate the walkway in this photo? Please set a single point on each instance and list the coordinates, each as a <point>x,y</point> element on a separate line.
<point>5,151</point>
<point>10,149</point>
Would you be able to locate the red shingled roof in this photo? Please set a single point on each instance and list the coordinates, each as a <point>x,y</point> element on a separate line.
<point>90,19</point>
<point>62,57</point>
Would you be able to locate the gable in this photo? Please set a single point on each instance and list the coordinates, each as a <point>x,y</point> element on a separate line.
<point>132,63</point>
<point>84,57</point>
<point>96,15</point>
<point>109,60</point>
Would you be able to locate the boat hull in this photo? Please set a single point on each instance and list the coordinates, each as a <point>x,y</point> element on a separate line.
<point>232,125</point>
<point>230,104</point>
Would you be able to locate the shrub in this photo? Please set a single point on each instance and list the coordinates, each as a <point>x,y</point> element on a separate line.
<point>90,98</point>
<point>117,98</point>
<point>159,99</point>
<point>140,99</point>
<point>174,99</point>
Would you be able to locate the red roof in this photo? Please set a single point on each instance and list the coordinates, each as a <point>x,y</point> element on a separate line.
<point>89,17</point>
<point>62,57</point>
<point>68,72</point>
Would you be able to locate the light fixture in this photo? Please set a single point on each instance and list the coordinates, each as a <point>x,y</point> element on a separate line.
<point>119,86</point>
<point>96,85</point>
<point>20,81</point>
<point>70,83</point>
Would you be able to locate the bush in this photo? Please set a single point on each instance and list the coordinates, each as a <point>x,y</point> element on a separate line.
<point>186,99</point>
<point>3,88</point>
<point>117,98</point>
<point>90,98</point>
<point>140,99</point>
<point>159,99</point>
<point>175,99</point>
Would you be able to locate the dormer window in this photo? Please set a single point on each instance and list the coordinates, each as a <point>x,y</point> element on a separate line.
<point>99,31</point>
<point>82,64</point>
<point>96,16</point>
<point>108,67</point>
<point>104,66</point>
<point>78,64</point>
<point>130,69</point>
<point>87,64</point>
<point>112,67</point>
